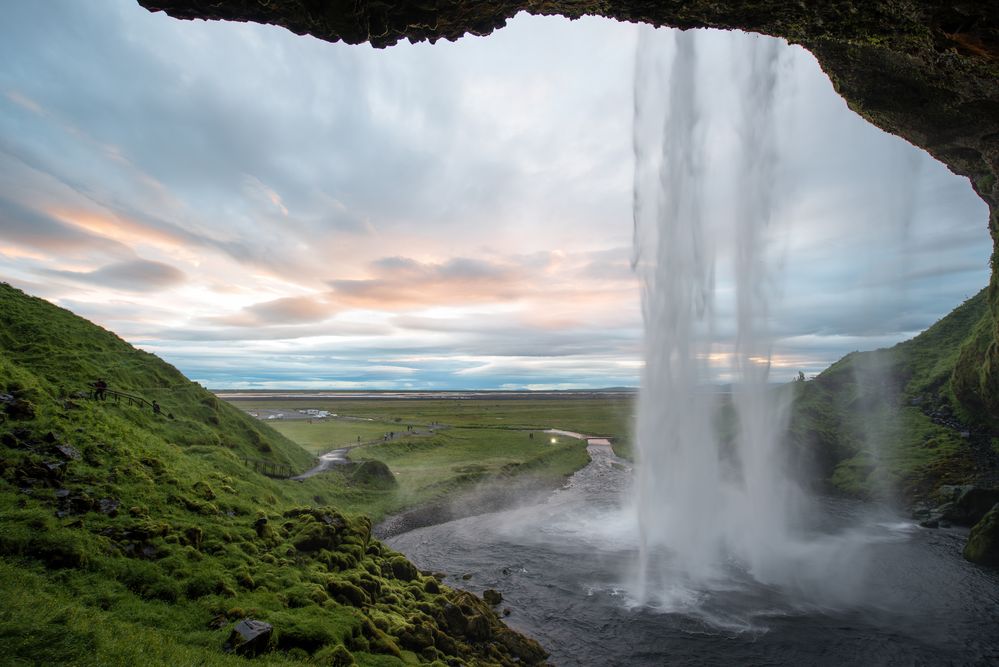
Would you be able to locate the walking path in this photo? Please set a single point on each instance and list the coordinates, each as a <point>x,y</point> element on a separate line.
<point>338,457</point>
<point>591,440</point>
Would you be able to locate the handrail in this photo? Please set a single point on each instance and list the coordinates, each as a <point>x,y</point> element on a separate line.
<point>269,468</point>
<point>131,398</point>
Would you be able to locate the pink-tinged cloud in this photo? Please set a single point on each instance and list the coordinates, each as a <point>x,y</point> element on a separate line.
<point>118,227</point>
<point>404,283</point>
<point>22,226</point>
<point>287,310</point>
<point>134,276</point>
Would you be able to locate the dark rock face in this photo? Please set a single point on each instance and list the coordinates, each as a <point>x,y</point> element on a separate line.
<point>983,542</point>
<point>925,70</point>
<point>492,597</point>
<point>966,505</point>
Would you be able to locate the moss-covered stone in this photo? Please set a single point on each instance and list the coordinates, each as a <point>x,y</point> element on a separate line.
<point>402,569</point>
<point>983,542</point>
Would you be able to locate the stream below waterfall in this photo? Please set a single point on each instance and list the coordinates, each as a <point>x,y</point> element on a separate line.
<point>562,567</point>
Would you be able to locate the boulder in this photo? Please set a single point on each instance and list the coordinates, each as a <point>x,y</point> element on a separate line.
<point>969,504</point>
<point>525,650</point>
<point>492,597</point>
<point>983,542</point>
<point>109,506</point>
<point>250,637</point>
<point>454,619</point>
<point>403,569</point>
<point>67,452</point>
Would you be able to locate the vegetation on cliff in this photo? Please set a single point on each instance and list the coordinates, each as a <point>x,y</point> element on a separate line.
<point>889,419</point>
<point>131,537</point>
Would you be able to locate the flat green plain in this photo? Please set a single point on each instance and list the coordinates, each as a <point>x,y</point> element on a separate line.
<point>454,444</point>
<point>319,436</point>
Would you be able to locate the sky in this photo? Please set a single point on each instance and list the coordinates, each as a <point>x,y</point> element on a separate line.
<point>265,210</point>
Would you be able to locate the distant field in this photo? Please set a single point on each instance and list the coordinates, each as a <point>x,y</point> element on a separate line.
<point>480,440</point>
<point>590,415</point>
<point>320,436</point>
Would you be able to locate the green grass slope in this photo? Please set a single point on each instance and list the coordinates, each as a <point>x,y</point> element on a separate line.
<point>888,420</point>
<point>133,538</point>
<point>50,354</point>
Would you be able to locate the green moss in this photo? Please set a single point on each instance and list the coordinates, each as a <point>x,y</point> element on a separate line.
<point>983,542</point>
<point>334,656</point>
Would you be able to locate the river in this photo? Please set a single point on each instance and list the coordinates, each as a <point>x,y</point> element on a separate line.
<point>562,567</point>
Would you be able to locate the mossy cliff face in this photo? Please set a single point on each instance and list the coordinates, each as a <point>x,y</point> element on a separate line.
<point>925,70</point>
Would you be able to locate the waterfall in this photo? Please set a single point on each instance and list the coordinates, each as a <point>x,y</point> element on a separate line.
<point>704,501</point>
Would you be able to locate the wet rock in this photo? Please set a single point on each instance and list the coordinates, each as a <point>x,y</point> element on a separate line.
<point>525,650</point>
<point>492,597</point>
<point>74,502</point>
<point>930,523</point>
<point>249,638</point>
<point>983,542</point>
<point>55,469</point>
<point>48,473</point>
<point>506,611</point>
<point>970,504</point>
<point>67,452</point>
<point>479,628</point>
<point>454,619</point>
<point>109,506</point>
<point>466,576</point>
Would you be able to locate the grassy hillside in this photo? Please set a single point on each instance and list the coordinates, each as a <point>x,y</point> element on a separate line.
<point>432,469</point>
<point>128,537</point>
<point>889,419</point>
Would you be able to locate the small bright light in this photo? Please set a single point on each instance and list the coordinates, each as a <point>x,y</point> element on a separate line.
<point>554,441</point>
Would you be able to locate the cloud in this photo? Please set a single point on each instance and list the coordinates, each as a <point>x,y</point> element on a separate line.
<point>287,310</point>
<point>403,283</point>
<point>265,333</point>
<point>23,226</point>
<point>444,216</point>
<point>132,276</point>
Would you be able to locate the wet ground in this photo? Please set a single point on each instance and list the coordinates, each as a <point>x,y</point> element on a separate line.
<point>901,595</point>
